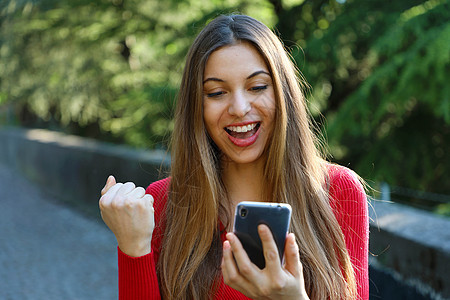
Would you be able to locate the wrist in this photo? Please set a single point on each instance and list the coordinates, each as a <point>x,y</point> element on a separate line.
<point>135,249</point>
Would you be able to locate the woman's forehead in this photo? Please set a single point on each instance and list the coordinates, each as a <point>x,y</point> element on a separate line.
<point>232,59</point>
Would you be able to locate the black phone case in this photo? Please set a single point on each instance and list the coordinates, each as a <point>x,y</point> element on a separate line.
<point>275,215</point>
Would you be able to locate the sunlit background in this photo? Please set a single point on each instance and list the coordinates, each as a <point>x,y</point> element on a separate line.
<point>378,72</point>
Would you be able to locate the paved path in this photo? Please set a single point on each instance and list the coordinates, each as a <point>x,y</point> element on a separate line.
<point>50,251</point>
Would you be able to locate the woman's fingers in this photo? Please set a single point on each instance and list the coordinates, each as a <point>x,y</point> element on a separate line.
<point>119,192</point>
<point>108,196</point>
<point>136,193</point>
<point>148,200</point>
<point>292,257</point>
<point>129,213</point>
<point>274,281</point>
<point>109,183</point>
<point>229,268</point>
<point>244,264</point>
<point>126,188</point>
<point>231,273</point>
<point>270,248</point>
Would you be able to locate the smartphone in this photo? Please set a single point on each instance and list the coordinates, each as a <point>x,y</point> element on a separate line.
<point>249,215</point>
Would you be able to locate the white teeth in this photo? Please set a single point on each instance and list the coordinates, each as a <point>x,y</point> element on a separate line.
<point>244,128</point>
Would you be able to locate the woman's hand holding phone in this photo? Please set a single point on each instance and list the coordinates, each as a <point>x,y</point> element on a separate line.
<point>275,281</point>
<point>128,212</point>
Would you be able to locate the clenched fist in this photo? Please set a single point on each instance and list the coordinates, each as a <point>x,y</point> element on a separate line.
<point>128,212</point>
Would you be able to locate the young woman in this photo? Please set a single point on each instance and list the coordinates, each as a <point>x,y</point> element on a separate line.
<point>242,132</point>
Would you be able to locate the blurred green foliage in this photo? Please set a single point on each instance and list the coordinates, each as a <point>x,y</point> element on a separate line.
<point>110,69</point>
<point>381,73</point>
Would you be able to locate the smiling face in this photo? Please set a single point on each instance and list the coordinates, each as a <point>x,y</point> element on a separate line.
<point>238,102</point>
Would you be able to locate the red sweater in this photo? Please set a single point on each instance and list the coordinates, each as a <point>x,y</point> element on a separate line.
<point>138,279</point>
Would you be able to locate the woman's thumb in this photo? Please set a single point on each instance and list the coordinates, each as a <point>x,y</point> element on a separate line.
<point>109,183</point>
<point>112,180</point>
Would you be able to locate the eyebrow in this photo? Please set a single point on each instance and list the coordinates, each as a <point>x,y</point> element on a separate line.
<point>257,73</point>
<point>212,79</point>
<point>250,76</point>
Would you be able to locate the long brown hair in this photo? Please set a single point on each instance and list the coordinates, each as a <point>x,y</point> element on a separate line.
<point>189,265</point>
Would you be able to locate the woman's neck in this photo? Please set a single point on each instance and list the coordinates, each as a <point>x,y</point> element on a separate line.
<point>243,182</point>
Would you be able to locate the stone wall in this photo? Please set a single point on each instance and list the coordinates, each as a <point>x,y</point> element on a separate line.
<point>75,169</point>
<point>412,244</point>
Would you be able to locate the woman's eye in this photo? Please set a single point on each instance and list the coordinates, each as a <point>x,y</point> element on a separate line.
<point>212,95</point>
<point>258,88</point>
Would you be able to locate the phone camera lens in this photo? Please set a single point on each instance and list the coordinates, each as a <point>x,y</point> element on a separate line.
<point>243,212</point>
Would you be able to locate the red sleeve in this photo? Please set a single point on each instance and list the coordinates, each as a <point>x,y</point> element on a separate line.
<point>349,203</point>
<point>137,275</point>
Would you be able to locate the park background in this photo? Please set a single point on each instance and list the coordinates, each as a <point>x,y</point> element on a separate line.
<point>108,71</point>
<point>377,74</point>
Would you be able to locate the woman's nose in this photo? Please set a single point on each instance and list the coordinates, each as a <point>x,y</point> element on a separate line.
<point>240,105</point>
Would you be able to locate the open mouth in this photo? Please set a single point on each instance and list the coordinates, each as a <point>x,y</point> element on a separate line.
<point>243,132</point>
<point>243,135</point>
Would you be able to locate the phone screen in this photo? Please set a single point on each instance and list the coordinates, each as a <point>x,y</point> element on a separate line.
<point>251,214</point>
